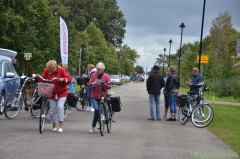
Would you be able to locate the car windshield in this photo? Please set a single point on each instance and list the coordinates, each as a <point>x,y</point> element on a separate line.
<point>114,76</point>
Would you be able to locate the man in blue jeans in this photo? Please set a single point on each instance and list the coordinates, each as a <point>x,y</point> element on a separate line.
<point>155,83</point>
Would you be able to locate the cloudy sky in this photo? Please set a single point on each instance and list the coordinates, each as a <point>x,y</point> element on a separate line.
<point>152,23</point>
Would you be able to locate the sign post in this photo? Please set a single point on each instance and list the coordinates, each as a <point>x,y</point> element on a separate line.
<point>203,60</point>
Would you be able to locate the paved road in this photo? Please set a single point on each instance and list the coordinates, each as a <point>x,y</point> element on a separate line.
<point>132,136</point>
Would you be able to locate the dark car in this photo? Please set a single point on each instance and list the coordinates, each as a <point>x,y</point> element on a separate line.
<point>9,79</point>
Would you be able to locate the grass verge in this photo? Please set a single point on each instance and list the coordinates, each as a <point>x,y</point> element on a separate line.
<point>225,125</point>
<point>211,96</point>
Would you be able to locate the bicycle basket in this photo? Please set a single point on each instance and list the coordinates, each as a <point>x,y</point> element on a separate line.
<point>82,81</point>
<point>45,89</point>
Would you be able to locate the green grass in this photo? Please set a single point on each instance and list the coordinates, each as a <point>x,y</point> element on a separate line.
<point>225,125</point>
<point>211,96</point>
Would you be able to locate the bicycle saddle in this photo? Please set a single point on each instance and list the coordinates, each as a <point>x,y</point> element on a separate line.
<point>191,93</point>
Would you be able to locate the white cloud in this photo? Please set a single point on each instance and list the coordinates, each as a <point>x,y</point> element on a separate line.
<point>150,46</point>
<point>152,23</point>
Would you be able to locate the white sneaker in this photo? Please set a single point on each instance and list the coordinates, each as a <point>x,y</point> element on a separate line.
<point>92,109</point>
<point>88,108</point>
<point>91,131</point>
<point>66,111</point>
<point>54,129</point>
<point>60,130</point>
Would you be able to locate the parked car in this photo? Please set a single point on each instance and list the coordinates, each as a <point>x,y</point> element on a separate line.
<point>9,79</point>
<point>116,79</point>
<point>126,78</point>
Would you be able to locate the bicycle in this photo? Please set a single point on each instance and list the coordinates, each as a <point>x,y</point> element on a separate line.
<point>45,91</point>
<point>13,104</point>
<point>83,97</point>
<point>35,104</point>
<point>105,110</point>
<point>200,112</point>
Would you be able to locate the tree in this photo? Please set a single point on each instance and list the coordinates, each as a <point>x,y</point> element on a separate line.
<point>139,69</point>
<point>29,26</point>
<point>127,57</point>
<point>104,13</point>
<point>98,51</point>
<point>222,35</point>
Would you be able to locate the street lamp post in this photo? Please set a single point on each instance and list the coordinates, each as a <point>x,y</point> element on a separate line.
<point>164,59</point>
<point>170,41</point>
<point>80,58</point>
<point>180,54</point>
<point>200,51</point>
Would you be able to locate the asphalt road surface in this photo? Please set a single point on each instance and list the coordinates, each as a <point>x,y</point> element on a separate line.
<point>132,136</point>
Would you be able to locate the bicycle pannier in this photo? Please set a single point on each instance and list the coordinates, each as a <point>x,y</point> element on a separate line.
<point>38,103</point>
<point>72,99</point>
<point>181,100</point>
<point>116,104</point>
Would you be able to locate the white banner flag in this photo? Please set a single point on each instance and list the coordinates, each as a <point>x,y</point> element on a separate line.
<point>63,41</point>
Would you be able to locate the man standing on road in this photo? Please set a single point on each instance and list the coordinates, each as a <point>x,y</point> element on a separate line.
<point>155,83</point>
<point>196,79</point>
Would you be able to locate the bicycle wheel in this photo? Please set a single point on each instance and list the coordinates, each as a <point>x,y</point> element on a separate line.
<point>183,114</point>
<point>102,118</point>
<point>12,106</point>
<point>109,118</point>
<point>34,112</point>
<point>202,115</point>
<point>42,119</point>
<point>66,110</point>
<point>83,102</point>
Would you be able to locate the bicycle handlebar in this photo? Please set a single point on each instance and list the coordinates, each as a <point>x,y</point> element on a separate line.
<point>99,84</point>
<point>47,80</point>
<point>25,78</point>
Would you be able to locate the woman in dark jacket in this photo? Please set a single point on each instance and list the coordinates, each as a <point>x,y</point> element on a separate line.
<point>171,88</point>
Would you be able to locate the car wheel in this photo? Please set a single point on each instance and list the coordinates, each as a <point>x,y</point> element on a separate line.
<point>2,99</point>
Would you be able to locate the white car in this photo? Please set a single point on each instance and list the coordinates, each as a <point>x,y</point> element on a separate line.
<point>126,78</point>
<point>116,79</point>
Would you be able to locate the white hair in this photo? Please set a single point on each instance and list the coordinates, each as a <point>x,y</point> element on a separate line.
<point>100,65</point>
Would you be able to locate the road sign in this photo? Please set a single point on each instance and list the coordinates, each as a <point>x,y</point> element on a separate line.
<point>203,59</point>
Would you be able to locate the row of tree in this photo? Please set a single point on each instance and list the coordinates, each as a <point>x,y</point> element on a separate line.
<point>221,71</point>
<point>33,26</point>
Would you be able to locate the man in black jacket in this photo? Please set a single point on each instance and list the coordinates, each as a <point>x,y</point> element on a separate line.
<point>155,83</point>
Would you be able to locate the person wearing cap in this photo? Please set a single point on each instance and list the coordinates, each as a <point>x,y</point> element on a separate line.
<point>171,88</point>
<point>155,83</point>
<point>196,79</point>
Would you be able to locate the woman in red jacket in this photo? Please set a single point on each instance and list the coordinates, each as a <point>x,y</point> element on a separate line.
<point>59,93</point>
<point>96,93</point>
